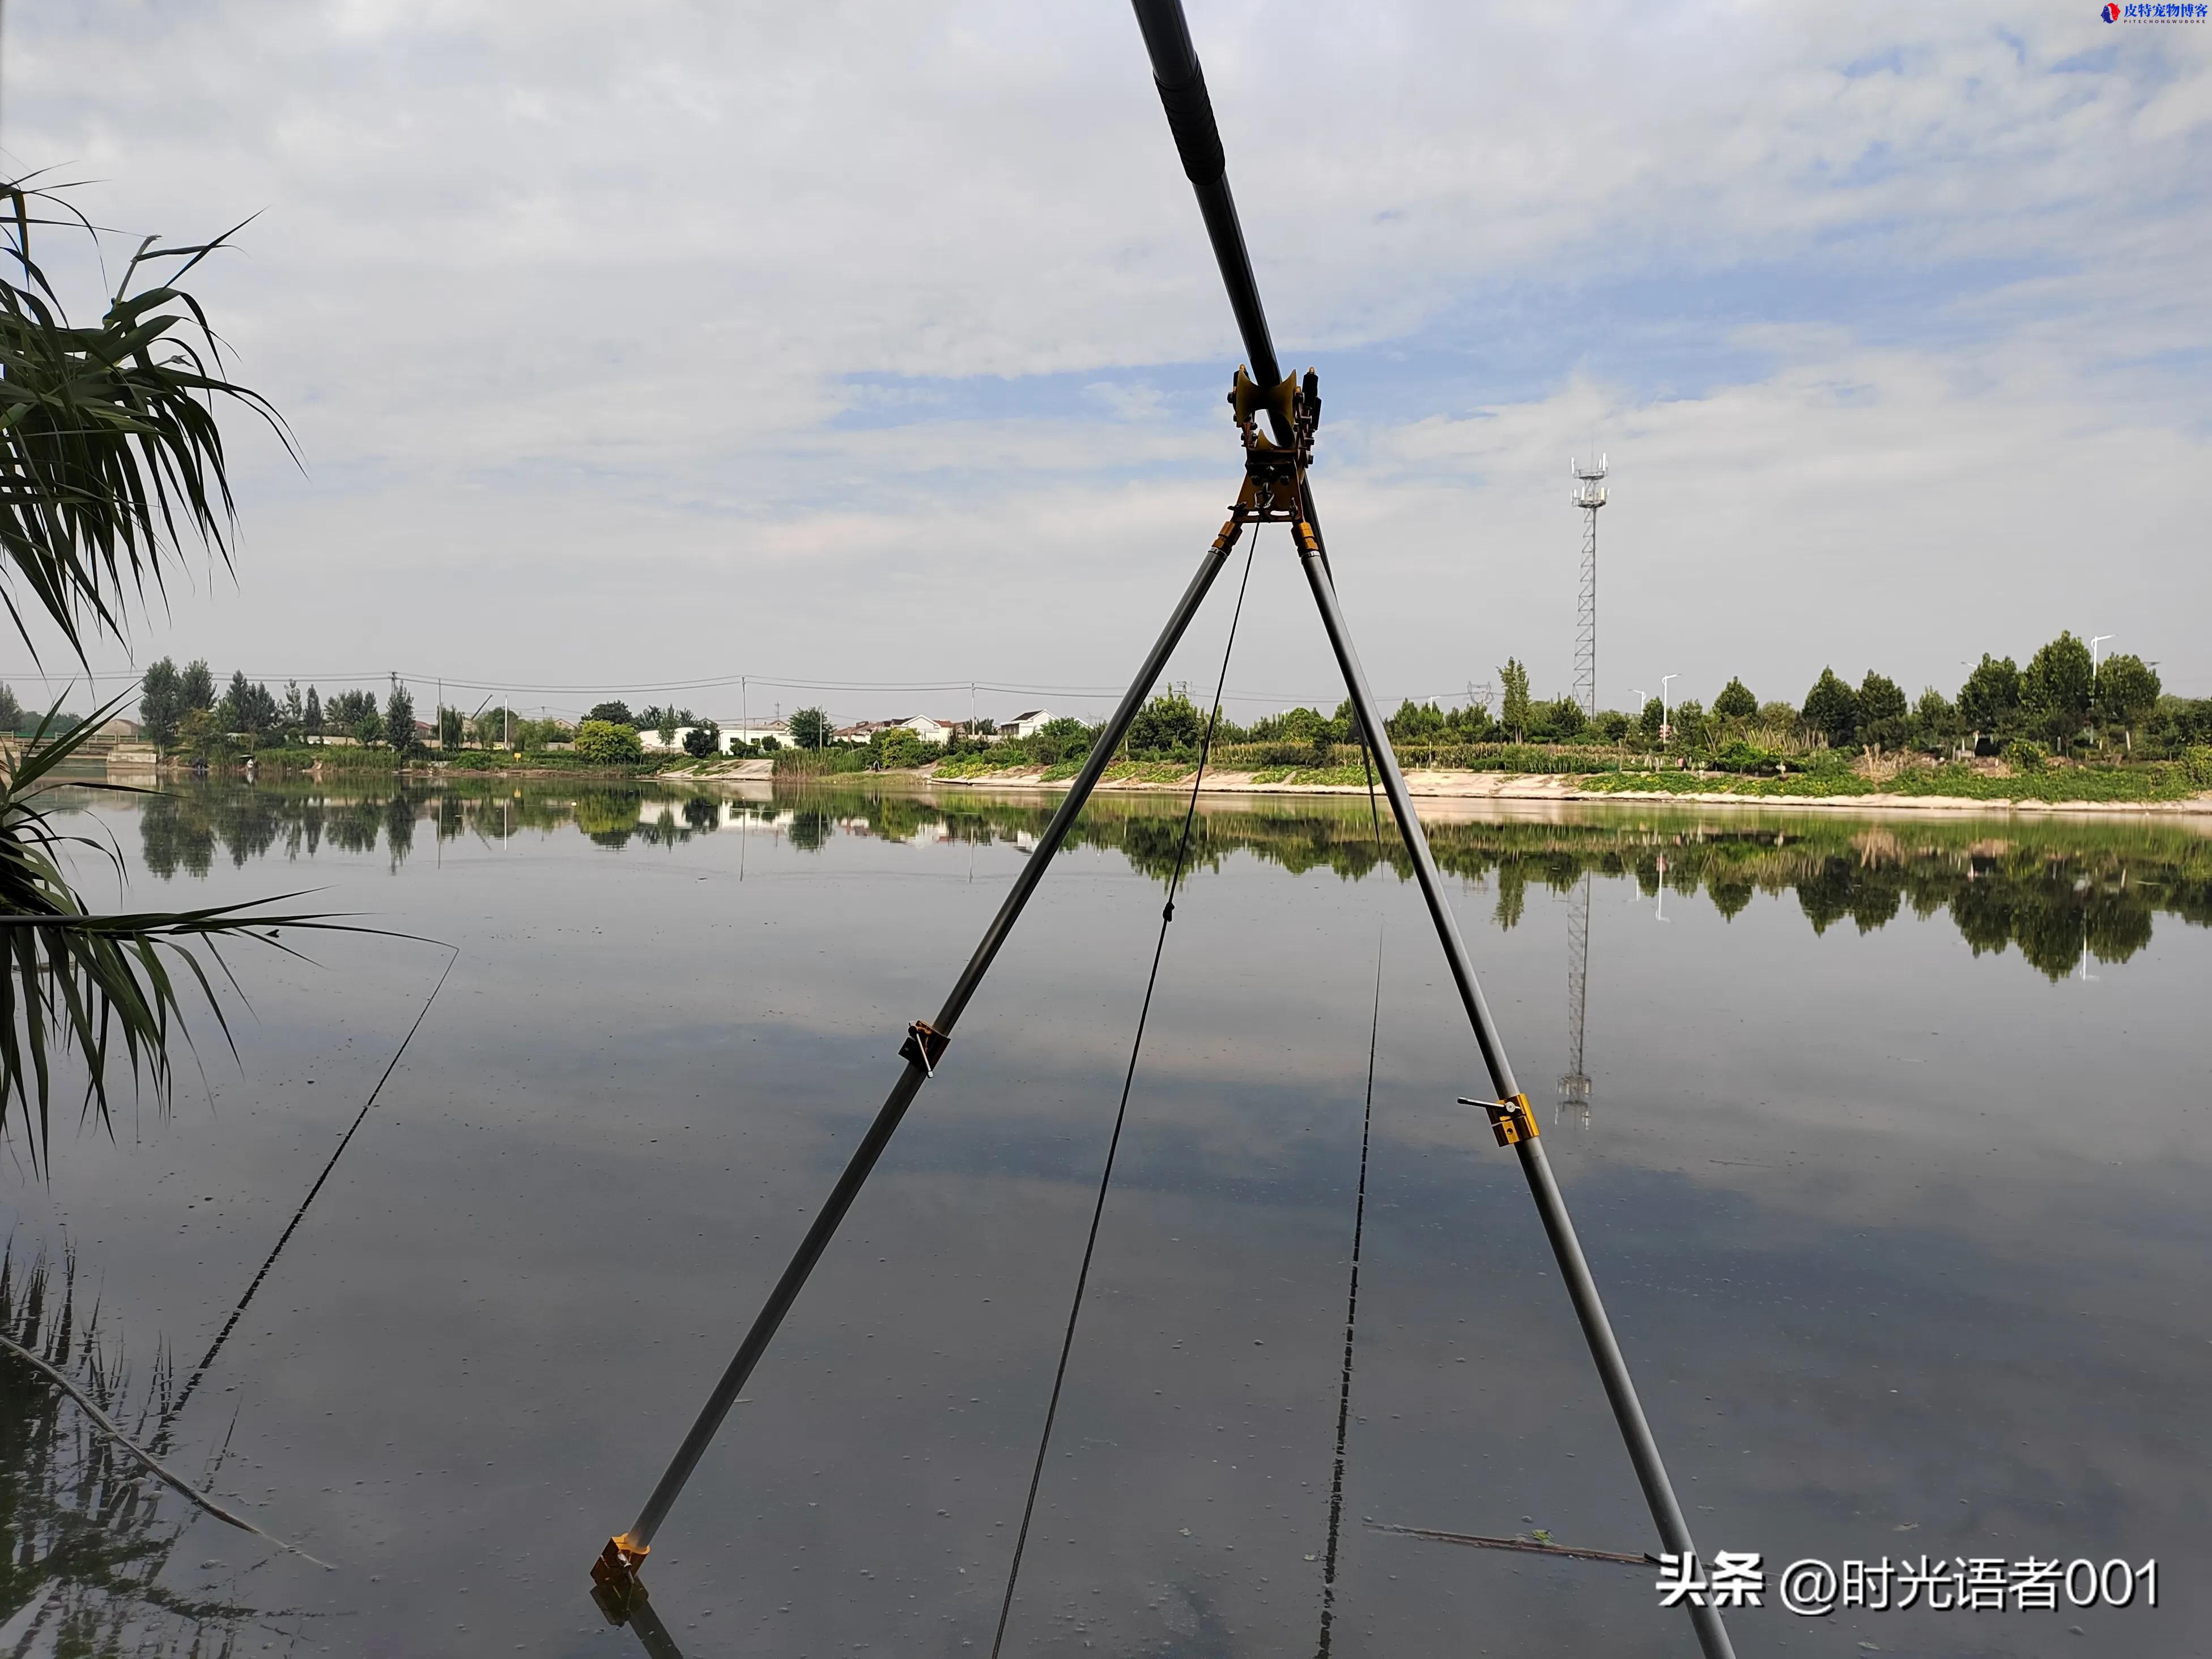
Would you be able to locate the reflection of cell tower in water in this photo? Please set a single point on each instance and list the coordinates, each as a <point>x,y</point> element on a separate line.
<point>1589,495</point>
<point>1574,1082</point>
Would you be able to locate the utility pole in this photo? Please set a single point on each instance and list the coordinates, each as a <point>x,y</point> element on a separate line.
<point>1588,497</point>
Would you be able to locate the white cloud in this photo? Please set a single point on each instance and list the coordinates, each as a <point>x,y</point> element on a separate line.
<point>564,304</point>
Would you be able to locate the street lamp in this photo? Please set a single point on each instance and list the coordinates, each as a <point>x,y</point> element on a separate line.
<point>1666,731</point>
<point>2093,643</point>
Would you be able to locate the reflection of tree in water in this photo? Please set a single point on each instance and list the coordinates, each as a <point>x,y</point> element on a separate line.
<point>89,1532</point>
<point>2052,890</point>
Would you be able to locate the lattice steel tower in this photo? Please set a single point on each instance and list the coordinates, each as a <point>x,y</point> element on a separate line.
<point>1589,495</point>
<point>1575,1082</point>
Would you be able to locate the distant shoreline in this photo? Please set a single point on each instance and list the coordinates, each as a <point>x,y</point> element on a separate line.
<point>1558,788</point>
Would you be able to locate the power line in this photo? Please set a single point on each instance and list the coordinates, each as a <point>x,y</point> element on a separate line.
<point>516,688</point>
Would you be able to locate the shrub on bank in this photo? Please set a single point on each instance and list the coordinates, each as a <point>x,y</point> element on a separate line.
<point>603,743</point>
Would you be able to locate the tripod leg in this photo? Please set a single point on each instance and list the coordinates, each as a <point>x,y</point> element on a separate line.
<point>1558,1227</point>
<point>924,1045</point>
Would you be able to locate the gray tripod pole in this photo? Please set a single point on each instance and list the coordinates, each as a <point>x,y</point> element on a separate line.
<point>614,1571</point>
<point>1512,1113</point>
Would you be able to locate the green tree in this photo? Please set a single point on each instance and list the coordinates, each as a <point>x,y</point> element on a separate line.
<point>247,708</point>
<point>2056,688</point>
<point>449,728</point>
<point>1989,703</point>
<point>311,717</point>
<point>607,743</point>
<point>346,711</point>
<point>1417,723</point>
<point>399,719</point>
<point>12,718</point>
<point>197,733</point>
<point>196,685</point>
<point>701,741</point>
<point>1167,726</point>
<point>663,720</point>
<point>894,747</point>
<point>496,727</point>
<point>1300,725</point>
<point>369,730</point>
<point>1653,719</point>
<point>1690,724</point>
<point>1935,723</point>
<point>1882,712</point>
<point>811,729</point>
<point>614,714</point>
<point>1735,701</point>
<point>160,704</point>
<point>1514,711</point>
<point>1831,709</point>
<point>1556,720</point>
<point>1060,738</point>
<point>2127,689</point>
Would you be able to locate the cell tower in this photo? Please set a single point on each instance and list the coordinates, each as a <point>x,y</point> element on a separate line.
<point>1575,1082</point>
<point>1589,495</point>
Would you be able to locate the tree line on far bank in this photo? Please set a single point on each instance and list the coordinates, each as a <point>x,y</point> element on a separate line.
<point>180,709</point>
<point>2062,700</point>
<point>183,711</point>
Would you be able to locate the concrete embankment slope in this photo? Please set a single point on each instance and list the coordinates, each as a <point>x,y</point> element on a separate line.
<point>1567,786</point>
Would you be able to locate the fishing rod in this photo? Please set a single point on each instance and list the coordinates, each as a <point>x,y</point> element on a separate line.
<point>1181,84</point>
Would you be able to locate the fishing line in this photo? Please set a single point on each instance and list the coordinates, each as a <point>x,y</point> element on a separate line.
<point>1359,1236</point>
<point>300,1214</point>
<point>1121,1116</point>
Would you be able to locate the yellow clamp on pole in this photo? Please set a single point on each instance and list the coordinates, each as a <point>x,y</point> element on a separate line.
<point>1307,539</point>
<point>1510,1119</point>
<point>615,1583</point>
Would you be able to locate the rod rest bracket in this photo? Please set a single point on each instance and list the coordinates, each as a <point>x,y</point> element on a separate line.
<point>924,1046</point>
<point>1509,1119</point>
<point>615,1583</point>
<point>1275,474</point>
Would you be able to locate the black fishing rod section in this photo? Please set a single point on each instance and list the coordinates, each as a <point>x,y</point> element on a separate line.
<point>615,1570</point>
<point>1182,84</point>
<point>1190,109</point>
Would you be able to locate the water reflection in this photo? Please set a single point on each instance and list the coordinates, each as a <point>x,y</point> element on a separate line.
<point>1832,1165</point>
<point>1575,1081</point>
<point>91,1537</point>
<point>2059,892</point>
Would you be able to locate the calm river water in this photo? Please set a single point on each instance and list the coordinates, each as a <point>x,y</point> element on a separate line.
<point>1894,1174</point>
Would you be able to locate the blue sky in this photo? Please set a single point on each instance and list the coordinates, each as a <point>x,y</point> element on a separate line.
<point>876,343</point>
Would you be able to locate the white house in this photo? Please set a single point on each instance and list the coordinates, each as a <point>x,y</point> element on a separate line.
<point>1026,723</point>
<point>742,733</point>
<point>927,728</point>
<point>755,731</point>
